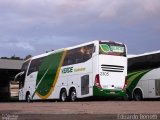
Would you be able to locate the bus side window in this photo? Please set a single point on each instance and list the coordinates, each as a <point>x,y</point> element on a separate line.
<point>78,55</point>
<point>34,66</point>
<point>22,77</point>
<point>88,52</point>
<point>65,61</point>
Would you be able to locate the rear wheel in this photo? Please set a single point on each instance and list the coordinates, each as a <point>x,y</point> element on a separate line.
<point>137,95</point>
<point>73,95</point>
<point>63,95</point>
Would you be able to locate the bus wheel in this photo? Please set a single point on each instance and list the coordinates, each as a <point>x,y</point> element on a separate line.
<point>63,95</point>
<point>28,97</point>
<point>125,97</point>
<point>73,95</point>
<point>137,95</point>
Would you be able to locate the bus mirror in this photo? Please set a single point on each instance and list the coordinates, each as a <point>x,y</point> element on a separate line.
<point>18,75</point>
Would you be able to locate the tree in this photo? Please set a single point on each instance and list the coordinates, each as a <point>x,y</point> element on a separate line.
<point>15,58</point>
<point>27,57</point>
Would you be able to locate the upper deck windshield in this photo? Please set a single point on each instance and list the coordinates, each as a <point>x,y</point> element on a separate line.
<point>109,48</point>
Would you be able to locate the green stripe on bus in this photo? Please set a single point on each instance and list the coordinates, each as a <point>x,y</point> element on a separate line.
<point>131,74</point>
<point>134,79</point>
<point>47,73</point>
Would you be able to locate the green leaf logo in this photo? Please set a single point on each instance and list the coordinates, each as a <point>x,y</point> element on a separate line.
<point>105,48</point>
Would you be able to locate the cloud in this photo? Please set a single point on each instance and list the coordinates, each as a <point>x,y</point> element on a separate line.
<point>24,45</point>
<point>13,43</point>
<point>36,26</point>
<point>130,11</point>
<point>12,46</point>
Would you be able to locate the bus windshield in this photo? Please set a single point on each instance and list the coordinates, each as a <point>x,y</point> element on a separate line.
<point>108,48</point>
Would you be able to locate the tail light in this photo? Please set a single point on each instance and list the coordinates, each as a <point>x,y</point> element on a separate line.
<point>125,84</point>
<point>97,81</point>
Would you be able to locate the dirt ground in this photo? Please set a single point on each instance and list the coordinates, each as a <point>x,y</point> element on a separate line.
<point>93,110</point>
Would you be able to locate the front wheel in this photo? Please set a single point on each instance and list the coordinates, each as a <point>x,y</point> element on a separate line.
<point>28,98</point>
<point>137,95</point>
<point>125,97</point>
<point>73,95</point>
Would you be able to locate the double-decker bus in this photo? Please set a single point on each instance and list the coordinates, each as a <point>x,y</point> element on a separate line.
<point>144,76</point>
<point>97,68</point>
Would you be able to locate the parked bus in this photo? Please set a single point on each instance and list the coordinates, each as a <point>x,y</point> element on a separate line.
<point>144,76</point>
<point>96,68</point>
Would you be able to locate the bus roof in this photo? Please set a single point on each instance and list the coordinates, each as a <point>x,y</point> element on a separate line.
<point>72,47</point>
<point>144,54</point>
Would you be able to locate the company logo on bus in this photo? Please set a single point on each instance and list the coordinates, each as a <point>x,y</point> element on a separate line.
<point>67,70</point>
<point>71,70</point>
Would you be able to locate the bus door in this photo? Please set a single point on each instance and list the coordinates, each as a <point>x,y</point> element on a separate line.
<point>151,88</point>
<point>157,87</point>
<point>21,78</point>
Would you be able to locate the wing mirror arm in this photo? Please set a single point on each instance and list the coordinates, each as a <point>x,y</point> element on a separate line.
<point>19,74</point>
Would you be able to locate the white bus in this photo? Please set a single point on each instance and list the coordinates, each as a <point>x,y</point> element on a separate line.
<point>144,76</point>
<point>96,68</point>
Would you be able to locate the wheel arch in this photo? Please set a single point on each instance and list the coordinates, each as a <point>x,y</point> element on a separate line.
<point>27,93</point>
<point>138,88</point>
<point>62,88</point>
<point>71,88</point>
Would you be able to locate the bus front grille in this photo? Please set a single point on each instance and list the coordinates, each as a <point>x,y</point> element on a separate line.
<point>112,68</point>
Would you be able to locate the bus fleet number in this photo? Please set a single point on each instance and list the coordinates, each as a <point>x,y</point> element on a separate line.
<point>104,73</point>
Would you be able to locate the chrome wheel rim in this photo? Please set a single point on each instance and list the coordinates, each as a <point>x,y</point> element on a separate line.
<point>73,96</point>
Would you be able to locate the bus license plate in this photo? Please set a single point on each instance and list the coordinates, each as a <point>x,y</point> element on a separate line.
<point>112,92</point>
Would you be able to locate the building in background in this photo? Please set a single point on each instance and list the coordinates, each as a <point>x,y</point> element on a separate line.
<point>8,69</point>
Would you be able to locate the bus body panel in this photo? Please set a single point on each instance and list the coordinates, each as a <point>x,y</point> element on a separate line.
<point>143,85</point>
<point>112,70</point>
<point>150,88</point>
<point>148,83</point>
<point>111,83</point>
<point>75,78</point>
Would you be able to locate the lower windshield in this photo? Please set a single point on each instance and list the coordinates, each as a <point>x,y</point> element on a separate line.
<point>108,48</point>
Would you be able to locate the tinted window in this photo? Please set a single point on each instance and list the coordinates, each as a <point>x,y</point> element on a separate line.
<point>22,77</point>
<point>34,66</point>
<point>108,48</point>
<point>144,62</point>
<point>25,66</point>
<point>78,55</point>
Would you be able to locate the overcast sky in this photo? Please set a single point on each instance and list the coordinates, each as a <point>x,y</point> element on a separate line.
<point>36,26</point>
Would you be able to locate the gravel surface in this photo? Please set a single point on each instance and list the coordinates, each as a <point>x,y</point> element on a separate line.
<point>79,110</point>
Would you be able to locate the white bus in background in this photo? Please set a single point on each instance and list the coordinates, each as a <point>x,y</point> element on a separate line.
<point>144,76</point>
<point>96,68</point>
